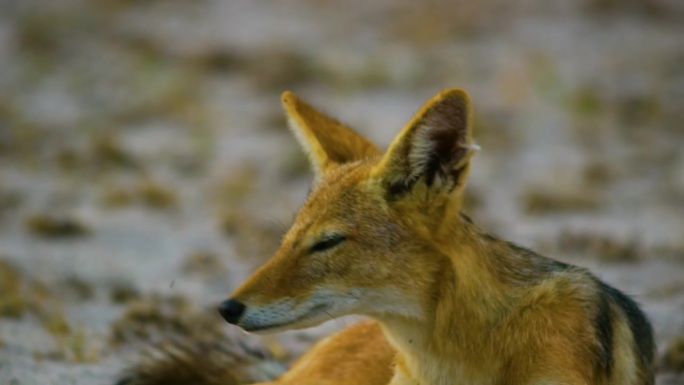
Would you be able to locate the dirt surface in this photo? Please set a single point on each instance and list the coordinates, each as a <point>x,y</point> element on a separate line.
<point>145,167</point>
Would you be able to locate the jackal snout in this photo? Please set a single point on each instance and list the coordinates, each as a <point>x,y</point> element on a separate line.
<point>231,310</point>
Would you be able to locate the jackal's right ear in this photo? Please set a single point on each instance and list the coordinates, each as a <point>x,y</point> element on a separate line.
<point>434,148</point>
<point>326,141</point>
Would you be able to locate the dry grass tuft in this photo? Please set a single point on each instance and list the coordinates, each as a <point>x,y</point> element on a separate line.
<point>107,152</point>
<point>177,99</point>
<point>19,139</point>
<point>673,358</point>
<point>597,174</point>
<point>13,302</point>
<point>123,293</point>
<point>149,318</point>
<point>69,160</point>
<point>52,226</point>
<point>73,344</point>
<point>650,8</point>
<point>187,346</point>
<point>255,240</point>
<point>215,60</point>
<point>673,251</point>
<point>9,200</point>
<point>232,221</point>
<point>13,305</point>
<point>52,355</point>
<point>277,69</point>
<point>236,187</point>
<point>667,290</point>
<point>221,361</point>
<point>78,287</point>
<point>155,195</point>
<point>433,22</point>
<point>19,296</point>
<point>540,202</point>
<point>147,192</point>
<point>638,110</point>
<point>203,263</point>
<point>56,323</point>
<point>116,197</point>
<point>604,247</point>
<point>80,347</point>
<point>586,102</point>
<point>38,33</point>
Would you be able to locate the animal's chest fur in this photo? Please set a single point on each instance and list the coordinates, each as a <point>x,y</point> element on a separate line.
<point>435,371</point>
<point>424,367</point>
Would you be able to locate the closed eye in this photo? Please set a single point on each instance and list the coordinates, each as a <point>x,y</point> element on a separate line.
<point>328,242</point>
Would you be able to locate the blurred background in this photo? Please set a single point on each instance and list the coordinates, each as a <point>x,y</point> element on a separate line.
<point>146,170</point>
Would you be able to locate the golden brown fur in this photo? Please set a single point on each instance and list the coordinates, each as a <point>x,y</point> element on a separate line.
<point>459,305</point>
<point>382,235</point>
<point>358,355</point>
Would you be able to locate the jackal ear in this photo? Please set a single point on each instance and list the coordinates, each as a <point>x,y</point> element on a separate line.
<point>435,147</point>
<point>326,141</point>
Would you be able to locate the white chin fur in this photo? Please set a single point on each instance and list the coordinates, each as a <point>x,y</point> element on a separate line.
<point>289,313</point>
<point>267,321</point>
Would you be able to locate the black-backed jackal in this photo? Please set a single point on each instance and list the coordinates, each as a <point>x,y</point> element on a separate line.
<point>382,235</point>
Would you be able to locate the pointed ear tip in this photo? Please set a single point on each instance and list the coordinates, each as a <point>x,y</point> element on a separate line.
<point>288,98</point>
<point>458,93</point>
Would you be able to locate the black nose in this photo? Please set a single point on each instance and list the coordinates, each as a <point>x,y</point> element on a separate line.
<point>231,310</point>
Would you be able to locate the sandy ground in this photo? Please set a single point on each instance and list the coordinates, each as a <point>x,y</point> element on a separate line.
<point>144,158</point>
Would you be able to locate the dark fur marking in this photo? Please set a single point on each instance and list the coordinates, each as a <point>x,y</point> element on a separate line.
<point>604,334</point>
<point>556,266</point>
<point>519,249</point>
<point>604,322</point>
<point>548,266</point>
<point>466,218</point>
<point>398,189</point>
<point>638,324</point>
<point>431,170</point>
<point>490,237</point>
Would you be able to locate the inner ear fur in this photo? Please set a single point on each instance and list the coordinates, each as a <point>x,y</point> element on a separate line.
<point>326,141</point>
<point>435,146</point>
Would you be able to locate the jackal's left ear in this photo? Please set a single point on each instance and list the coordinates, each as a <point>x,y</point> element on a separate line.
<point>434,148</point>
<point>326,141</point>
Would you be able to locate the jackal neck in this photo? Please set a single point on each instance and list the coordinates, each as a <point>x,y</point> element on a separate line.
<point>477,282</point>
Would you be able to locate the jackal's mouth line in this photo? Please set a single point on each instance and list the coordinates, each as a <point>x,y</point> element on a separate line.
<point>311,313</point>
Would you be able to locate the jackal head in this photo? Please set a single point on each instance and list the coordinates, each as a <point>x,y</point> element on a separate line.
<point>368,238</point>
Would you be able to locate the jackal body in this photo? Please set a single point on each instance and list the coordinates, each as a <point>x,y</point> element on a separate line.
<point>381,234</point>
<point>356,355</point>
